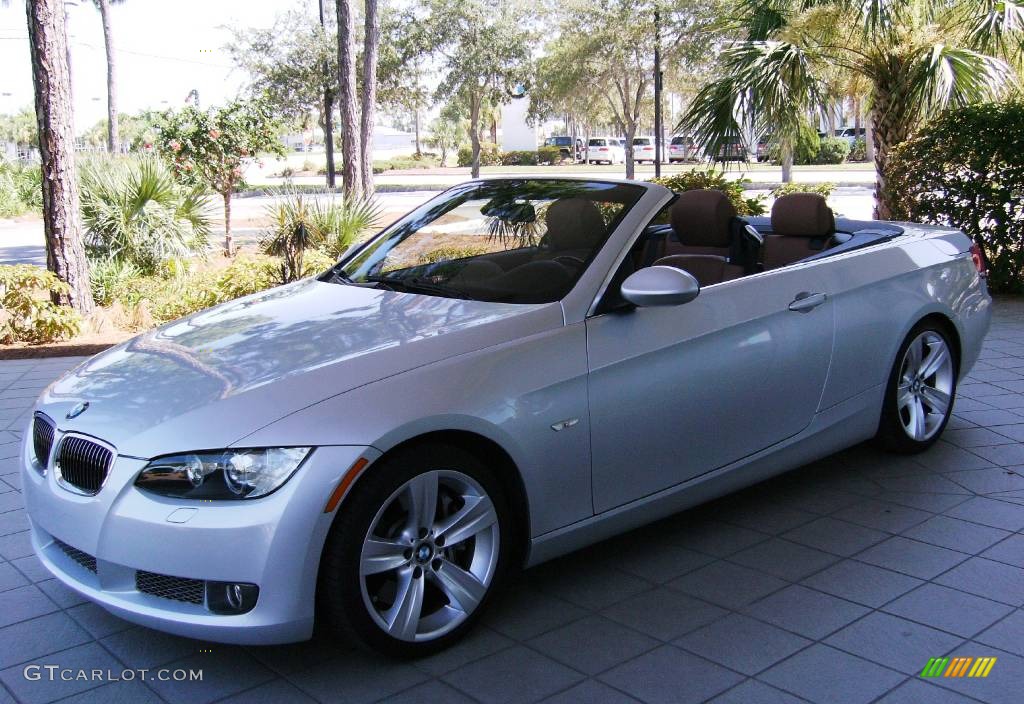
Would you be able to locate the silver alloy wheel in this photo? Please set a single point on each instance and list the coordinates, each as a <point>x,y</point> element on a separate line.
<point>925,386</point>
<point>429,556</point>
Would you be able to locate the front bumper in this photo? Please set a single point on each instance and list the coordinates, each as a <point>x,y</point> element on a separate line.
<point>274,542</point>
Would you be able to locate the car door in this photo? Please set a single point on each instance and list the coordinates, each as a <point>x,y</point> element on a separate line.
<point>676,392</point>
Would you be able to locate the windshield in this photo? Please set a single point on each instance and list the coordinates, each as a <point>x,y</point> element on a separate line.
<point>596,143</point>
<point>642,141</point>
<point>509,241</point>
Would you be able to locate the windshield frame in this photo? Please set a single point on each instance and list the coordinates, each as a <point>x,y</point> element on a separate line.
<point>457,196</point>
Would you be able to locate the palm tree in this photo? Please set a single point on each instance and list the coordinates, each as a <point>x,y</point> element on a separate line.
<point>51,79</point>
<point>113,138</point>
<point>917,57</point>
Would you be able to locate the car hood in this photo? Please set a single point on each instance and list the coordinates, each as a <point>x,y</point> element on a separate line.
<point>208,380</point>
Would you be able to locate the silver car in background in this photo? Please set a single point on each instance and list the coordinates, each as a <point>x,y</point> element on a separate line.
<point>516,369</point>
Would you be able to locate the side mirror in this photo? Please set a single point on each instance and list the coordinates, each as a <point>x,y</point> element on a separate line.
<point>660,286</point>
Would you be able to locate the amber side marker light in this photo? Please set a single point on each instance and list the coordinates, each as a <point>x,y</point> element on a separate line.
<point>350,476</point>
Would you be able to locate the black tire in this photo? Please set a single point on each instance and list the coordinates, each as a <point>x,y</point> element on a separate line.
<point>340,594</point>
<point>893,435</point>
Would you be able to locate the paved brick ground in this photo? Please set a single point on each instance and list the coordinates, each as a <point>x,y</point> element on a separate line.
<point>833,583</point>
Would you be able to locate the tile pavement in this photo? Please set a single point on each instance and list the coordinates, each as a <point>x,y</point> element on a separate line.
<point>832,583</point>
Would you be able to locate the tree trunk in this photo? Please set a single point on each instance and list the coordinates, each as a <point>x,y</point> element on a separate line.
<point>113,138</point>
<point>474,134</point>
<point>787,162</point>
<point>229,242</point>
<point>371,44</point>
<point>328,121</point>
<point>416,128</point>
<point>630,164</point>
<point>347,99</point>
<point>888,131</point>
<point>329,135</point>
<point>494,129</point>
<point>65,251</point>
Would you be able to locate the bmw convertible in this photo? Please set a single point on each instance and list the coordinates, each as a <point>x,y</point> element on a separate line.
<point>516,369</point>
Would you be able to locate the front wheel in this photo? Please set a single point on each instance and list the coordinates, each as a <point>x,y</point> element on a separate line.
<point>922,387</point>
<point>417,548</point>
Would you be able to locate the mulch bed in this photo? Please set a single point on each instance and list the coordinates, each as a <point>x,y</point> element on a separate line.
<point>82,346</point>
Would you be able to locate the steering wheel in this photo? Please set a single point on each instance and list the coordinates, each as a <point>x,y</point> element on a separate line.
<point>574,261</point>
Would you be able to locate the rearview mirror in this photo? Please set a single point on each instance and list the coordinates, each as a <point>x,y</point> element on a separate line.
<point>660,286</point>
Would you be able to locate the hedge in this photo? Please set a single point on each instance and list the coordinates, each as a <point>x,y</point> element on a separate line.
<point>965,169</point>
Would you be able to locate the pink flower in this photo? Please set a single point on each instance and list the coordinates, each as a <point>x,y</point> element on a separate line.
<point>175,146</point>
<point>214,134</point>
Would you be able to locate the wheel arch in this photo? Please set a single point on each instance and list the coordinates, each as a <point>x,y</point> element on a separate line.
<point>487,450</point>
<point>946,322</point>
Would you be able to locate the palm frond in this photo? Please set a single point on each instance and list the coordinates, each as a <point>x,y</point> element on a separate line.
<point>763,85</point>
<point>995,27</point>
<point>943,76</point>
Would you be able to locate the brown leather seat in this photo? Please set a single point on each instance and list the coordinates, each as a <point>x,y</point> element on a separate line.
<point>702,221</point>
<point>802,225</point>
<point>574,228</point>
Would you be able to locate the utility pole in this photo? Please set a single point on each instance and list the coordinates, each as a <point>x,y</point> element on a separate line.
<point>658,129</point>
<point>328,111</point>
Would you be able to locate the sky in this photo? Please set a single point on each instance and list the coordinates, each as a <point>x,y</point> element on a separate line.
<point>164,50</point>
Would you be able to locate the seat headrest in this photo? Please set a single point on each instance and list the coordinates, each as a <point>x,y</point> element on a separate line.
<point>702,218</point>
<point>573,223</point>
<point>802,215</point>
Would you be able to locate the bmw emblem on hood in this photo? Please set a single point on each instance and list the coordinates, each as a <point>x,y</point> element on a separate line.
<point>77,410</point>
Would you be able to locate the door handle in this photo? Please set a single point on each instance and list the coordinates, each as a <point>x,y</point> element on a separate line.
<point>806,302</point>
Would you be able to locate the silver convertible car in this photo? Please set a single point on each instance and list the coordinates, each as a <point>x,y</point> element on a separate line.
<point>514,370</point>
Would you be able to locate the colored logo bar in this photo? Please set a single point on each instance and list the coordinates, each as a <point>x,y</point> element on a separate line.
<point>958,667</point>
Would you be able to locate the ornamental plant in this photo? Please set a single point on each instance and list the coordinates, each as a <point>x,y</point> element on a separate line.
<point>965,169</point>
<point>208,148</point>
<point>27,313</point>
<point>715,180</point>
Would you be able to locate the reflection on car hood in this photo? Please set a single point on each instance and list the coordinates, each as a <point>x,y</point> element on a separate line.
<point>204,381</point>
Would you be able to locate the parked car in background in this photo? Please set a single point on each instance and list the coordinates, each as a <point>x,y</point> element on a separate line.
<point>567,147</point>
<point>682,149</point>
<point>607,150</point>
<point>643,149</point>
<point>850,134</point>
<point>764,146</point>
<point>375,448</point>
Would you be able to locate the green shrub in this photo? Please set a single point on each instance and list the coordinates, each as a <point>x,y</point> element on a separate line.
<point>805,150</point>
<point>21,188</point>
<point>490,155</point>
<point>823,189</point>
<point>549,155</point>
<point>28,313</point>
<point>859,150</point>
<point>716,180</point>
<point>965,169</point>
<point>10,204</point>
<point>134,211</point>
<point>109,277</point>
<point>302,222</point>
<point>519,158</point>
<point>832,150</point>
<point>424,161</point>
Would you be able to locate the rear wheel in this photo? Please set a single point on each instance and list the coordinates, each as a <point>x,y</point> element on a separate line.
<point>922,387</point>
<point>417,549</point>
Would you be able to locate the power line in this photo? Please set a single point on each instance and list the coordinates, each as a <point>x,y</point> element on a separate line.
<point>162,57</point>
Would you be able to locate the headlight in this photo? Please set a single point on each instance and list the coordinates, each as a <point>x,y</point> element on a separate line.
<point>224,474</point>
